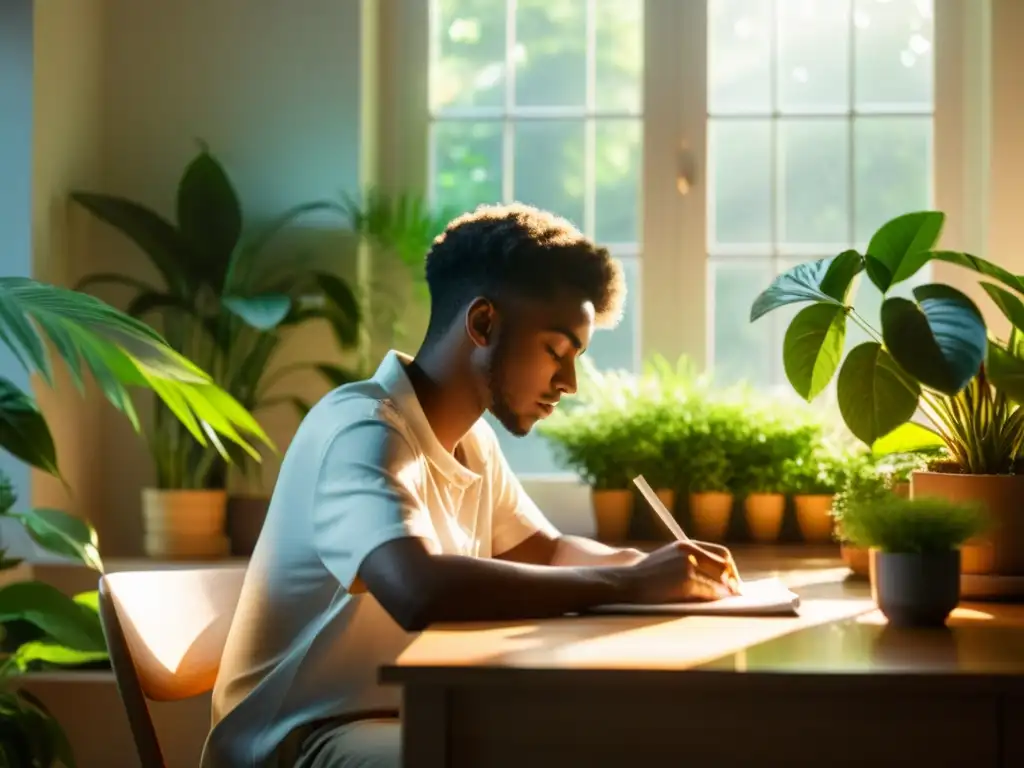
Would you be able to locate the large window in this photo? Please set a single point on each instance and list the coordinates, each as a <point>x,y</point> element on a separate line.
<point>820,118</point>
<point>816,125</point>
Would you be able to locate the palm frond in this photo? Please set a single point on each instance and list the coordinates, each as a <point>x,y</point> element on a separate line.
<point>118,351</point>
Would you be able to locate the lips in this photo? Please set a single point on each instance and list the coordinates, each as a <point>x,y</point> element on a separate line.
<point>546,408</point>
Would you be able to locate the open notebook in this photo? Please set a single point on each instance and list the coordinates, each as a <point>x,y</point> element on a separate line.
<point>761,597</point>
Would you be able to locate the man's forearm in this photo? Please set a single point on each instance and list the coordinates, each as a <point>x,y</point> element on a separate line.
<point>472,589</point>
<point>578,551</point>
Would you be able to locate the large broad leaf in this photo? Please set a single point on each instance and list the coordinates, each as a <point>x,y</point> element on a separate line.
<point>799,284</point>
<point>63,534</point>
<point>907,438</point>
<point>913,263</point>
<point>158,238</point>
<point>813,348</point>
<point>1011,306</point>
<point>874,395</point>
<point>340,308</point>
<point>64,620</point>
<point>23,430</point>
<point>840,274</point>
<point>210,218</point>
<point>264,312</point>
<point>940,340</point>
<point>900,238</point>
<point>1005,370</point>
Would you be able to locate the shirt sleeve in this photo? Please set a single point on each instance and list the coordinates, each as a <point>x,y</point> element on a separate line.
<point>515,516</point>
<point>366,494</point>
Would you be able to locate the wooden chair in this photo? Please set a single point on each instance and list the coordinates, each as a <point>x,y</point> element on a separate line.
<point>165,631</point>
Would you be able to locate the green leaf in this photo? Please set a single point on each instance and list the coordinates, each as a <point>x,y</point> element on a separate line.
<point>965,260</point>
<point>49,652</point>
<point>907,438</point>
<point>210,218</point>
<point>940,341</point>
<point>160,240</point>
<point>840,273</point>
<point>1006,372</point>
<point>799,284</point>
<point>1011,306</point>
<point>63,534</point>
<point>301,407</point>
<point>264,312</point>
<point>878,273</point>
<point>901,237</point>
<point>23,429</point>
<point>813,348</point>
<point>61,618</point>
<point>874,395</point>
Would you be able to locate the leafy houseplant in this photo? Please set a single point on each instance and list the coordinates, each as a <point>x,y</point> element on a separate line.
<point>227,296</point>
<point>42,626</point>
<point>932,354</point>
<point>915,555</point>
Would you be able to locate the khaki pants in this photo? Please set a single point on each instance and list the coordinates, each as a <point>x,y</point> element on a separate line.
<point>371,743</point>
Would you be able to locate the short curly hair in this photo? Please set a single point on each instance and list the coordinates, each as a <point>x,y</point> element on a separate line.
<point>516,249</point>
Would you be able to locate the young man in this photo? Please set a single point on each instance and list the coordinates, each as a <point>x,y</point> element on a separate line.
<point>395,508</point>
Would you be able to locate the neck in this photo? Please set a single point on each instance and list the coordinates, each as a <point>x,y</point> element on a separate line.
<point>444,385</point>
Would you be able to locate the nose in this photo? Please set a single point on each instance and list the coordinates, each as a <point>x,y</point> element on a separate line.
<point>565,381</point>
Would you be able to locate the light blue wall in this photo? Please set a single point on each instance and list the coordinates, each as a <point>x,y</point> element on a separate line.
<point>15,180</point>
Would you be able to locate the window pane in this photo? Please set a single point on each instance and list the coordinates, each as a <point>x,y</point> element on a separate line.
<point>619,55</point>
<point>469,54</point>
<point>549,166</point>
<point>616,348</point>
<point>739,56</point>
<point>893,158</point>
<point>466,164</point>
<point>895,65</point>
<point>741,350</point>
<point>740,202</point>
<point>617,179</point>
<point>550,53</point>
<point>814,55</point>
<point>814,161</point>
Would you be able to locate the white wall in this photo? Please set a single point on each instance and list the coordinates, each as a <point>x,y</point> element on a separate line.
<point>274,88</point>
<point>15,179</point>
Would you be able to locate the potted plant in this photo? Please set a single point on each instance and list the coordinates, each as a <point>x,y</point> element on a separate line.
<point>42,626</point>
<point>932,356</point>
<point>709,469</point>
<point>228,295</point>
<point>764,503</point>
<point>915,555</point>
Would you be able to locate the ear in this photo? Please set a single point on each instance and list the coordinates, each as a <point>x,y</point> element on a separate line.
<point>481,319</point>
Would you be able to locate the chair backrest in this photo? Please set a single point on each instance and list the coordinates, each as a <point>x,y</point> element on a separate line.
<point>166,632</point>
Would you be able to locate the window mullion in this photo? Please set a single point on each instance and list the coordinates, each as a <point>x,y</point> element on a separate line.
<point>673,266</point>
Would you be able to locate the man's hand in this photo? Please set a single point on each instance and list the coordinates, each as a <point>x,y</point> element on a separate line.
<point>717,549</point>
<point>679,572</point>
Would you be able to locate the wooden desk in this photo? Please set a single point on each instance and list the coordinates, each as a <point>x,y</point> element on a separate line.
<point>832,687</point>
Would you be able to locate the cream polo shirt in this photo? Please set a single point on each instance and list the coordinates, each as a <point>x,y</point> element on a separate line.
<point>363,468</point>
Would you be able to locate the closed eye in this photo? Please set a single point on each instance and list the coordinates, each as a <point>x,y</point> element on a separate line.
<point>551,351</point>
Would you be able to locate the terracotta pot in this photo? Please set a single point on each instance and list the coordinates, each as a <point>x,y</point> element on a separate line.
<point>184,523</point>
<point>1001,551</point>
<point>764,513</point>
<point>612,510</point>
<point>902,489</point>
<point>245,517</point>
<point>710,512</point>
<point>857,559</point>
<point>668,498</point>
<point>814,516</point>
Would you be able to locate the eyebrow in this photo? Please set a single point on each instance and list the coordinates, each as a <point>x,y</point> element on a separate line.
<point>572,337</point>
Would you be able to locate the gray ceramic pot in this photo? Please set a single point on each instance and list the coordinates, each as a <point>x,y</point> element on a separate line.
<point>915,590</point>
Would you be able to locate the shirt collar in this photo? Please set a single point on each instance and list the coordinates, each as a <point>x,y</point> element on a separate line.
<point>391,376</point>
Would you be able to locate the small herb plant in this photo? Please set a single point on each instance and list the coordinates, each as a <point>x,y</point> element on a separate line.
<point>920,526</point>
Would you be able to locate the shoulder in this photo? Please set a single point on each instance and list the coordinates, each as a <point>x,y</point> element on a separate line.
<point>358,421</point>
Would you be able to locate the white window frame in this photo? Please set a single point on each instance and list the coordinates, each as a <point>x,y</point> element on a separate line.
<point>674,265</point>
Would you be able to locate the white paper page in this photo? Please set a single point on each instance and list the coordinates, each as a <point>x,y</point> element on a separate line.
<point>762,597</point>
